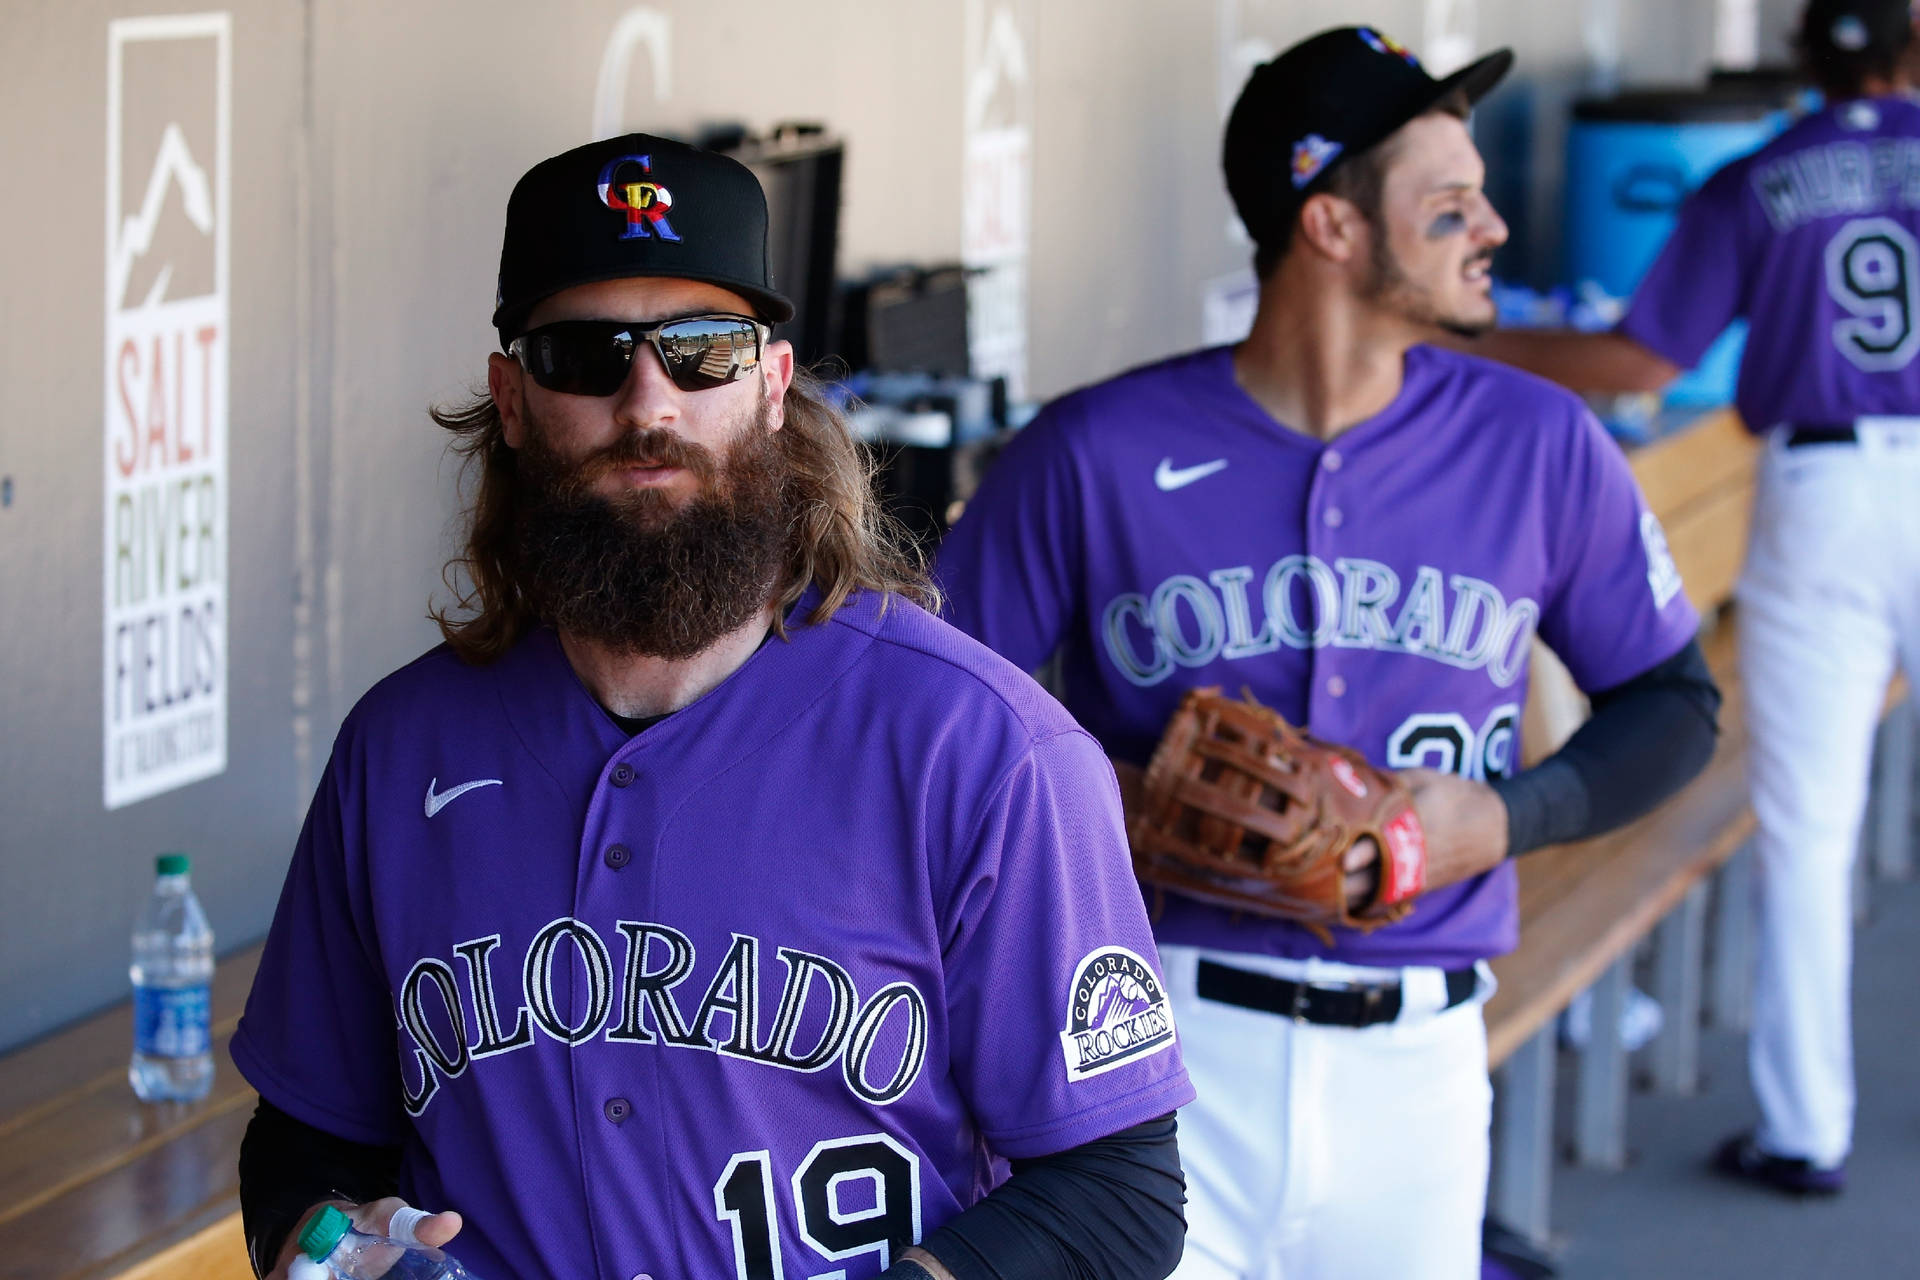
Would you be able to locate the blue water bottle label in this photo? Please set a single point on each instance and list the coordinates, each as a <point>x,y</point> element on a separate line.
<point>171,1022</point>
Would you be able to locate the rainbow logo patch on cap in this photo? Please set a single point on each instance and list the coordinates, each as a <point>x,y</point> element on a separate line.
<point>1311,155</point>
<point>645,203</point>
<point>1388,45</point>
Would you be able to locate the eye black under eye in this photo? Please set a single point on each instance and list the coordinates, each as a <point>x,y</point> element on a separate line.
<point>1449,223</point>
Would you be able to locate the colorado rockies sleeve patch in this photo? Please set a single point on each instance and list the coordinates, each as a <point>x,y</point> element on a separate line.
<point>1117,1013</point>
<point>1663,575</point>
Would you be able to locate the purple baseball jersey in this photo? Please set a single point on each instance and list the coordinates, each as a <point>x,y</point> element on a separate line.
<point>774,987</point>
<point>1815,239</point>
<point>1162,532</point>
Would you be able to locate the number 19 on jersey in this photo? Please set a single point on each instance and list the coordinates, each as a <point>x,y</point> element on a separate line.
<point>850,1196</point>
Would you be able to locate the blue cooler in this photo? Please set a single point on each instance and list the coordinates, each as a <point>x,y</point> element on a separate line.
<point>1631,160</point>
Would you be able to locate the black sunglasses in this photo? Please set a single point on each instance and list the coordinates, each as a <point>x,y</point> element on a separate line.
<point>593,357</point>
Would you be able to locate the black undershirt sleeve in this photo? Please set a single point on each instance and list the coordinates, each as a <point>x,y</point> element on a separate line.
<point>1111,1209</point>
<point>1647,738</point>
<point>287,1166</point>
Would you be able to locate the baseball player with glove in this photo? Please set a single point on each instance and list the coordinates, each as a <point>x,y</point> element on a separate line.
<point>1815,241</point>
<point>704,909</point>
<point>1361,534</point>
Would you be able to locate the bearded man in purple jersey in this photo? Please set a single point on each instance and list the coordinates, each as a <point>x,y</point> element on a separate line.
<point>703,907</point>
<point>1366,533</point>
<point>1815,241</point>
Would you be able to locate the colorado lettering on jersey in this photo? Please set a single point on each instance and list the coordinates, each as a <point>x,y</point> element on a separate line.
<point>642,1008</point>
<point>1307,604</point>
<point>1839,178</point>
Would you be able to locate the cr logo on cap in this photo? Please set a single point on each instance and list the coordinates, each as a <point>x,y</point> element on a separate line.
<point>644,203</point>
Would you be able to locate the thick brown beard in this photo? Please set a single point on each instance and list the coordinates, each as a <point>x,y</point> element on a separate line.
<point>639,573</point>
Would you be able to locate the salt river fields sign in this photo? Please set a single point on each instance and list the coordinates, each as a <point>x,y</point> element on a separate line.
<point>164,651</point>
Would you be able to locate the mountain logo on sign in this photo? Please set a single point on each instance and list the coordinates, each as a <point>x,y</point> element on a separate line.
<point>174,168</point>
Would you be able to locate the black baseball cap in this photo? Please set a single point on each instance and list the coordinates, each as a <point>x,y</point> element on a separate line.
<point>634,206</point>
<point>1321,103</point>
<point>1863,29</point>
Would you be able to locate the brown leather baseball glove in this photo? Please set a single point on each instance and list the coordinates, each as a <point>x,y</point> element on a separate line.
<point>1239,808</point>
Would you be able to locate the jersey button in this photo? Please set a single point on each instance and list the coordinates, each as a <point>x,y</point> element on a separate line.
<point>1337,686</point>
<point>1333,517</point>
<point>618,1109</point>
<point>618,856</point>
<point>623,774</point>
<point>1332,460</point>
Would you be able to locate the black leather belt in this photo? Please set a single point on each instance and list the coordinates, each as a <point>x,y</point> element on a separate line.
<point>1800,437</point>
<point>1361,1005</point>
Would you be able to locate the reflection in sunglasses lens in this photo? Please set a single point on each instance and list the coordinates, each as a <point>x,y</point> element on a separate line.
<point>592,357</point>
<point>707,353</point>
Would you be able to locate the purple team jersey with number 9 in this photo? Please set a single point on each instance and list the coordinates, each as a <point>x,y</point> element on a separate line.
<point>1815,239</point>
<point>1162,532</point>
<point>774,987</point>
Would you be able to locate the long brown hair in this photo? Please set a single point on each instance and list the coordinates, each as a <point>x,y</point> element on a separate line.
<point>840,538</point>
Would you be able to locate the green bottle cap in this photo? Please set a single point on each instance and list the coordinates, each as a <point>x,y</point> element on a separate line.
<point>323,1232</point>
<point>172,864</point>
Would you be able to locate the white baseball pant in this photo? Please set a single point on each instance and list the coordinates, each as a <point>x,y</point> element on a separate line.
<point>1829,598</point>
<point>1332,1153</point>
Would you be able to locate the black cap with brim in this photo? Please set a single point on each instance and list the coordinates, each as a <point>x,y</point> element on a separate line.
<point>634,206</point>
<point>1326,100</point>
<point>1860,30</point>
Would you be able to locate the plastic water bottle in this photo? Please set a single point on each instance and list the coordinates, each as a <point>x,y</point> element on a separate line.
<point>331,1240</point>
<point>172,972</point>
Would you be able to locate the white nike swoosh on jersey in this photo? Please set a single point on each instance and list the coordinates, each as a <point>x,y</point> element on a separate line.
<point>435,803</point>
<point>1169,479</point>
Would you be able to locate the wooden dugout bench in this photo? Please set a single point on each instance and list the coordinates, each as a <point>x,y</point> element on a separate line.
<point>1673,877</point>
<point>95,1185</point>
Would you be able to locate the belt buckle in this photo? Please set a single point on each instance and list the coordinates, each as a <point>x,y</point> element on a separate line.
<point>1298,1011</point>
<point>1370,1001</point>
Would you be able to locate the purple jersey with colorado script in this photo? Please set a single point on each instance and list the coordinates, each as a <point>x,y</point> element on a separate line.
<point>1164,533</point>
<point>1815,239</point>
<point>773,987</point>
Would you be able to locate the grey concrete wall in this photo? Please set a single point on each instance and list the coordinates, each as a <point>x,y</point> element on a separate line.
<point>72,873</point>
<point>373,146</point>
